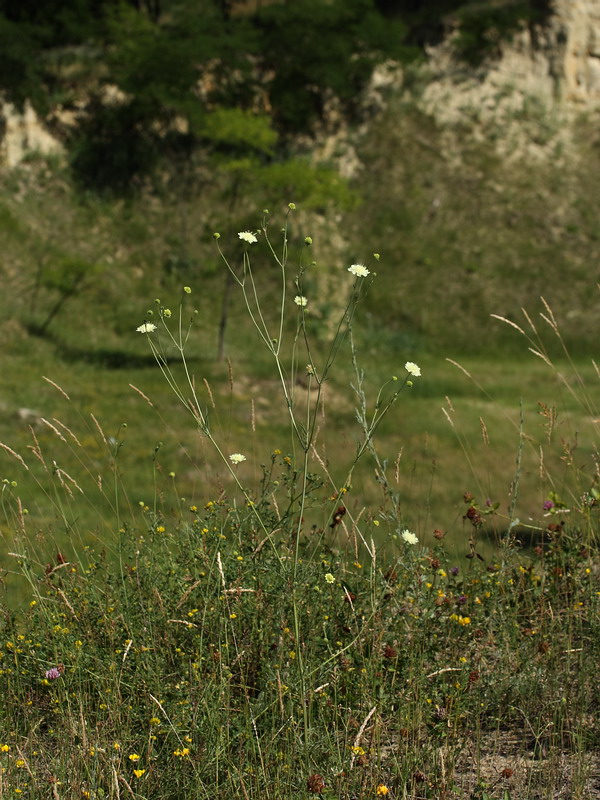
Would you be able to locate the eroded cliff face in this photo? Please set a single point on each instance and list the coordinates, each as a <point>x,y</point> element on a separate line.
<point>525,101</point>
<point>576,43</point>
<point>22,132</point>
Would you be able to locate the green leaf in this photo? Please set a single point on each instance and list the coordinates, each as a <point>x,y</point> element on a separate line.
<point>238,128</point>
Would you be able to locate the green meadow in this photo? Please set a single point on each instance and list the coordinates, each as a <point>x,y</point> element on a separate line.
<point>327,525</point>
<point>334,563</point>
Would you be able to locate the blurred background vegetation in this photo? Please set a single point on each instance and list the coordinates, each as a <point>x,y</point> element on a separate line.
<point>182,118</point>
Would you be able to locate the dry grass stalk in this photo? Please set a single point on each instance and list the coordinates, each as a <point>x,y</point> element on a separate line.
<point>68,430</point>
<point>210,394</point>
<point>36,449</point>
<point>54,429</point>
<point>100,431</point>
<point>142,395</point>
<point>509,322</point>
<point>14,454</point>
<point>460,367</point>
<point>57,387</point>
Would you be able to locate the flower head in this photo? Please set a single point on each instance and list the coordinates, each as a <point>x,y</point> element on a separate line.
<point>413,369</point>
<point>382,790</point>
<point>300,300</point>
<point>147,327</point>
<point>248,236</point>
<point>409,537</point>
<point>53,673</point>
<point>237,458</point>
<point>359,270</point>
<point>329,577</point>
<point>138,772</point>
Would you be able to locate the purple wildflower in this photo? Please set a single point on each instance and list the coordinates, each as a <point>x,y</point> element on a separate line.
<point>52,673</point>
<point>462,599</point>
<point>548,504</point>
<point>454,571</point>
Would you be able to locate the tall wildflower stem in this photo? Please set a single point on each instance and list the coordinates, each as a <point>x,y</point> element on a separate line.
<point>194,408</point>
<point>271,331</point>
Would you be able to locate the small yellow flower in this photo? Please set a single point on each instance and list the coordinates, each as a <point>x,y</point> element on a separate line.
<point>382,790</point>
<point>138,772</point>
<point>19,763</point>
<point>133,757</point>
<point>4,748</point>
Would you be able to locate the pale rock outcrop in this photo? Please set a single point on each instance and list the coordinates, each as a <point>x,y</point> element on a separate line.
<point>578,22</point>
<point>526,100</point>
<point>22,133</point>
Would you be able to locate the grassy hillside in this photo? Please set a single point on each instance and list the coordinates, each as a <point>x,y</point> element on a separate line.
<point>451,434</point>
<point>288,573</point>
<point>462,236</point>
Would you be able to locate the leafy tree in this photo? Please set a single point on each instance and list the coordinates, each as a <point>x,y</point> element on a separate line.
<point>483,24</point>
<point>19,66</point>
<point>311,50</point>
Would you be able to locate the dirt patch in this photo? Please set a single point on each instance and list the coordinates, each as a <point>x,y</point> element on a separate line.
<point>527,770</point>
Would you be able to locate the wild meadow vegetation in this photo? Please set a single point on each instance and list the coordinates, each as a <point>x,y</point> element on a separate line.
<point>301,502</point>
<point>274,634</point>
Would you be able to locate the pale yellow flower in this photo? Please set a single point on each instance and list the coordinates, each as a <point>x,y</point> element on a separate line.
<point>359,270</point>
